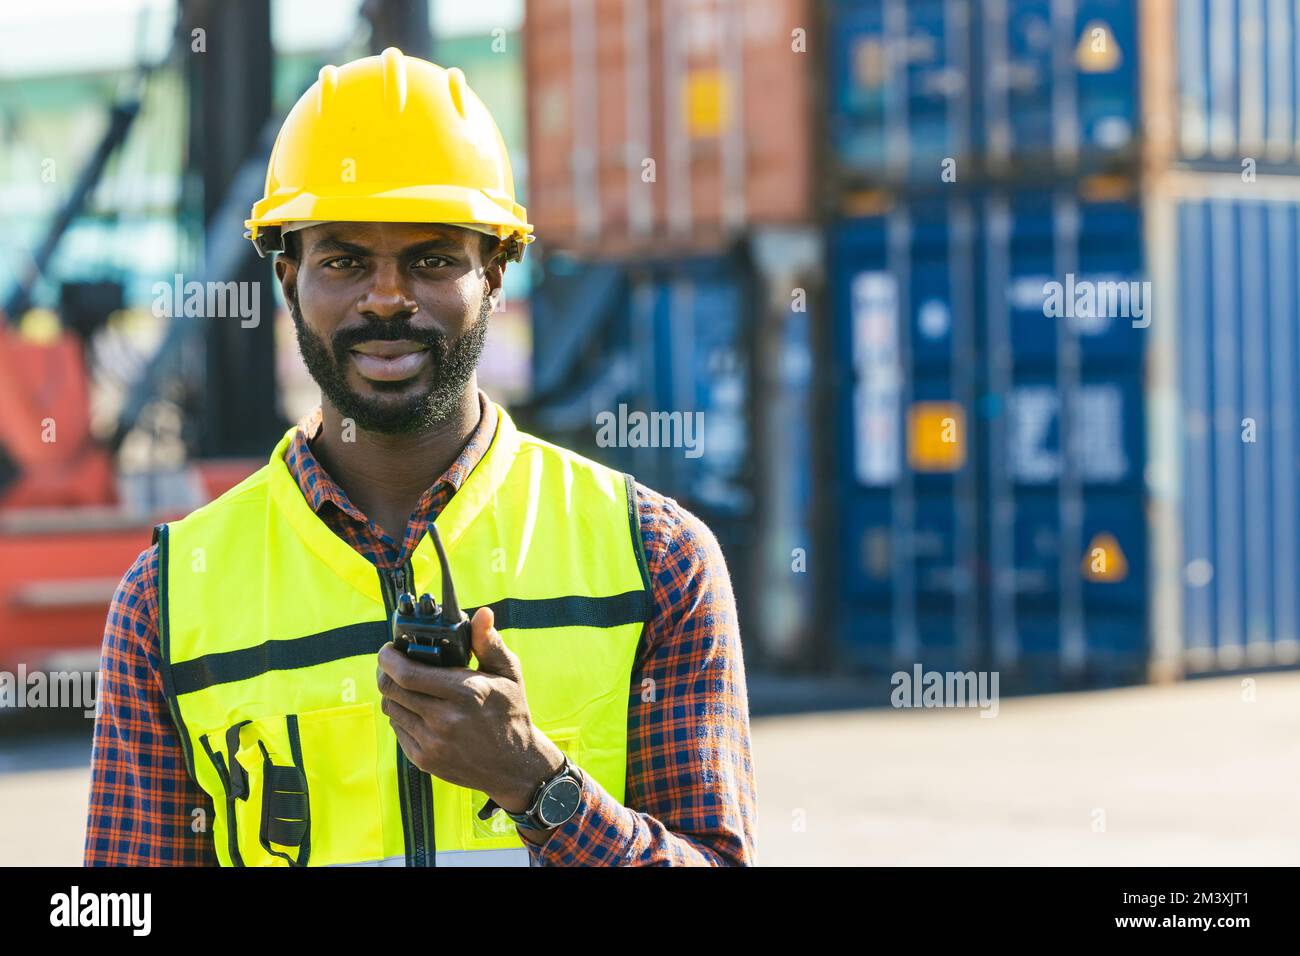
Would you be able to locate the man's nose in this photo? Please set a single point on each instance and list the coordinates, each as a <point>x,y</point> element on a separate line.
<point>387,296</point>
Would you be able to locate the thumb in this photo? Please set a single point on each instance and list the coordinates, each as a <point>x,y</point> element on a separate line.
<point>490,650</point>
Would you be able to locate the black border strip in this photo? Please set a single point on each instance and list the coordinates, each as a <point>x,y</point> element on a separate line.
<point>634,524</point>
<point>162,536</point>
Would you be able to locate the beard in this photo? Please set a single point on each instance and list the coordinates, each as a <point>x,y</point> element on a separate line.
<point>453,362</point>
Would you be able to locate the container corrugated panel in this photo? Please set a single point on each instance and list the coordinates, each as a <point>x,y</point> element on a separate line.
<point>1240,389</point>
<point>1064,317</point>
<point>903,299</point>
<point>1238,70</point>
<point>901,86</point>
<point>1059,83</point>
<point>666,124</point>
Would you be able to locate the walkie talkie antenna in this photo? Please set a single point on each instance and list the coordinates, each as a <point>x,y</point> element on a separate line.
<point>450,607</point>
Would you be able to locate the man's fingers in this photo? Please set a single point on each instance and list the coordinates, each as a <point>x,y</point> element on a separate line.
<point>401,715</point>
<point>441,682</point>
<point>413,701</point>
<point>409,746</point>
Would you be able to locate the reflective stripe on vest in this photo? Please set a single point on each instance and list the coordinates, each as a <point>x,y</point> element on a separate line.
<point>270,625</point>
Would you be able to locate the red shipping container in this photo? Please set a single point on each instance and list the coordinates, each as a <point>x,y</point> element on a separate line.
<point>666,124</point>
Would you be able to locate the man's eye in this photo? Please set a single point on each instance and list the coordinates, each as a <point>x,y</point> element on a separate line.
<point>430,262</point>
<point>342,262</point>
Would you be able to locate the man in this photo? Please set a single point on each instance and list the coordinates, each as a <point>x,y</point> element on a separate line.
<point>243,719</point>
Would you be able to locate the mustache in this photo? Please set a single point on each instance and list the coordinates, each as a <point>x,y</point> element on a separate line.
<point>385,330</point>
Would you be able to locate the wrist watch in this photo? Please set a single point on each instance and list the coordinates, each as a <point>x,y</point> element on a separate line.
<point>553,803</point>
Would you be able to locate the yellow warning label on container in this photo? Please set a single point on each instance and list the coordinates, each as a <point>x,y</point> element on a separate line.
<point>706,103</point>
<point>1104,561</point>
<point>869,66</point>
<point>1097,51</point>
<point>936,436</point>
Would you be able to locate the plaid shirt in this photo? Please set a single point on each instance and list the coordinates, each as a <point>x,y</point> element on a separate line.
<point>690,787</point>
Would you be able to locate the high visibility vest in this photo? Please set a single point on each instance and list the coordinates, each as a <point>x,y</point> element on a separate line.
<point>270,625</point>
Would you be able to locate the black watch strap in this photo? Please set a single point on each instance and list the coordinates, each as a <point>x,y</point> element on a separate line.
<point>528,818</point>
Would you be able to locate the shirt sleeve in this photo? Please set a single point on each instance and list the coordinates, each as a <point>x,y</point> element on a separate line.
<point>690,796</point>
<point>144,809</point>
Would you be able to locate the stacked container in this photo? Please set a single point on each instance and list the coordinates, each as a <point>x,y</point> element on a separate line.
<point>1115,489</point>
<point>666,124</point>
<point>992,303</point>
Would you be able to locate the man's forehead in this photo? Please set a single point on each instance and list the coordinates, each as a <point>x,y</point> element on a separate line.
<point>375,233</point>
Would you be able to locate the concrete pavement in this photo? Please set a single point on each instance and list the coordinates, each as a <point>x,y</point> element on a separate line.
<point>1185,774</point>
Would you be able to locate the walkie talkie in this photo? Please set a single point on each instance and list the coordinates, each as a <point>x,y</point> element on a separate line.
<point>425,632</point>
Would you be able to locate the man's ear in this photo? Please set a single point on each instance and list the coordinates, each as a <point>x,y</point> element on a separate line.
<point>286,271</point>
<point>494,273</point>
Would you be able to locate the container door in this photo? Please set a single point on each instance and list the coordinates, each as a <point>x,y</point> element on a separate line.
<point>1067,541</point>
<point>903,295</point>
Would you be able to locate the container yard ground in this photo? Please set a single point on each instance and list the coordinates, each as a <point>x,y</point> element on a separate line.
<point>1186,774</point>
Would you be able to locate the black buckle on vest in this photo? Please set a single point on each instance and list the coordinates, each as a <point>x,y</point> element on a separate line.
<point>238,775</point>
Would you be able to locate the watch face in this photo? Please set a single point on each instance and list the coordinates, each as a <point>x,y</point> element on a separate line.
<point>559,802</point>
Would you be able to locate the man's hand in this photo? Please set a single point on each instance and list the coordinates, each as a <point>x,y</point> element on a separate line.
<point>469,727</point>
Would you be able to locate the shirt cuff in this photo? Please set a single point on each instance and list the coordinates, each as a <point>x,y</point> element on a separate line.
<point>571,844</point>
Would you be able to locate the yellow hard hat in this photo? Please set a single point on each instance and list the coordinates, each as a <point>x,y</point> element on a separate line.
<point>390,138</point>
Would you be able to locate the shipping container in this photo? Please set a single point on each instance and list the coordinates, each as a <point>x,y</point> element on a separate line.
<point>666,125</point>
<point>1238,359</point>
<point>993,494</point>
<point>1238,69</point>
<point>1058,84</point>
<point>940,91</point>
<point>1064,318</point>
<point>903,294</point>
<point>900,86</point>
<point>1120,493</point>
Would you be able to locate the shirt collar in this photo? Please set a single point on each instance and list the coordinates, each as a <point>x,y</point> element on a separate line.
<point>320,489</point>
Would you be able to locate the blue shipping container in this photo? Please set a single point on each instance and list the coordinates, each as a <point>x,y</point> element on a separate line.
<point>903,295</point>
<point>1239,364</point>
<point>1058,82</point>
<point>1238,70</point>
<point>1064,319</point>
<point>993,439</point>
<point>1001,87</point>
<point>901,84</point>
<point>1121,525</point>
<point>944,88</point>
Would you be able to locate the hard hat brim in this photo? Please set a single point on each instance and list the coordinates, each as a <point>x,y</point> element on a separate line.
<point>432,204</point>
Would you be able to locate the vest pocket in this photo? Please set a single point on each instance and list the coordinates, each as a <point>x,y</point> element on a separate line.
<point>304,788</point>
